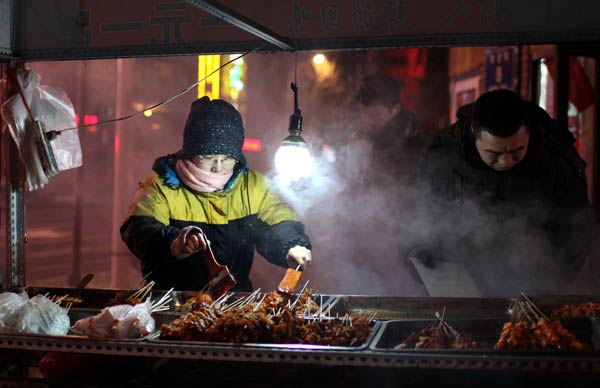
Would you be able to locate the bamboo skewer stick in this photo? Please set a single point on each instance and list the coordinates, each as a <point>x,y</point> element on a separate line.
<point>142,292</point>
<point>535,307</point>
<point>299,295</point>
<point>220,300</point>
<point>161,304</point>
<point>260,303</point>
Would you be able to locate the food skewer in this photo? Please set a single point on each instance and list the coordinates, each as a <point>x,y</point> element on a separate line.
<point>290,281</point>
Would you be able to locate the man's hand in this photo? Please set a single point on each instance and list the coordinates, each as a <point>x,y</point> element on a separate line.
<point>299,256</point>
<point>190,240</point>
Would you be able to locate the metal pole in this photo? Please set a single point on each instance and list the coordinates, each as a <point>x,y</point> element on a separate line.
<point>116,216</point>
<point>231,16</point>
<point>16,237</point>
<point>77,197</point>
<point>2,175</point>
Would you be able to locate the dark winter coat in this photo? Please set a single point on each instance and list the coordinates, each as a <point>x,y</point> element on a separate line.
<point>547,189</point>
<point>246,215</point>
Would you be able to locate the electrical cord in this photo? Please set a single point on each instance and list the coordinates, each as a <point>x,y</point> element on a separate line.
<point>53,133</point>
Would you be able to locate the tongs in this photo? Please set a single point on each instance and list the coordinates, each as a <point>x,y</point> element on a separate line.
<point>220,280</point>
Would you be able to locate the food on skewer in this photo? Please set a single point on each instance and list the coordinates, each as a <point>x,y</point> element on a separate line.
<point>131,298</point>
<point>273,300</point>
<point>542,334</point>
<point>195,302</point>
<point>305,304</point>
<point>438,335</point>
<point>202,299</point>
<point>587,309</point>
<point>270,319</point>
<point>290,281</point>
<point>248,324</point>
<point>531,329</point>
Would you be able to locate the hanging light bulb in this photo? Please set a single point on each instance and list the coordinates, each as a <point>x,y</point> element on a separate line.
<point>293,160</point>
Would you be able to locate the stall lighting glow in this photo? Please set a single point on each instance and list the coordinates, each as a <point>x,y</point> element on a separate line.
<point>293,160</point>
<point>148,112</point>
<point>318,59</point>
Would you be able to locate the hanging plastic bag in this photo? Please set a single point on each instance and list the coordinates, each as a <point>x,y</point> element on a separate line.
<point>33,125</point>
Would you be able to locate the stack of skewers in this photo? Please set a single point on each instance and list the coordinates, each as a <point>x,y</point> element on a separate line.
<point>276,317</point>
<point>532,329</point>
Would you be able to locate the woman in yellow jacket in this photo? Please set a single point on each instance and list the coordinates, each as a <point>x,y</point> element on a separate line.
<point>208,185</point>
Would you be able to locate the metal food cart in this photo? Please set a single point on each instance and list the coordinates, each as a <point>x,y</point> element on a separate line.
<point>36,30</point>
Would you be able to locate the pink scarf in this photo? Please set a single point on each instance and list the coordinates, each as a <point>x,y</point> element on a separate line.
<point>198,179</point>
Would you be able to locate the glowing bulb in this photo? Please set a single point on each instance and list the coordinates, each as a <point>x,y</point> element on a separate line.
<point>293,161</point>
<point>318,58</point>
<point>148,112</point>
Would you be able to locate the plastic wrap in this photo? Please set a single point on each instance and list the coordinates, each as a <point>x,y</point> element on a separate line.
<point>120,321</point>
<point>10,305</point>
<point>38,315</point>
<point>52,108</point>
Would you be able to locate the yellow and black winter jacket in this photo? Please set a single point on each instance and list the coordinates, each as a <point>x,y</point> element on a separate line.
<point>246,215</point>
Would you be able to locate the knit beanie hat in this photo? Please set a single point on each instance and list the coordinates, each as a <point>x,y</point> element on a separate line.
<point>213,128</point>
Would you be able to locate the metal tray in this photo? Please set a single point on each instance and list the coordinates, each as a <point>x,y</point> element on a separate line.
<point>486,331</point>
<point>165,318</point>
<point>409,308</point>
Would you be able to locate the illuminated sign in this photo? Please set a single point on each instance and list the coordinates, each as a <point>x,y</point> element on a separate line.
<point>253,145</point>
<point>211,85</point>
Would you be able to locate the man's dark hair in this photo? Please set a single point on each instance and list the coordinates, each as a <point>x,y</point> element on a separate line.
<point>379,89</point>
<point>499,112</point>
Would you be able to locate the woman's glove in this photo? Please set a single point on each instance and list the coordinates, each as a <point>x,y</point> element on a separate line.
<point>299,256</point>
<point>190,240</point>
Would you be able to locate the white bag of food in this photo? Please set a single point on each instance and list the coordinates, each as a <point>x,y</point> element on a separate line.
<point>40,315</point>
<point>120,321</point>
<point>10,305</point>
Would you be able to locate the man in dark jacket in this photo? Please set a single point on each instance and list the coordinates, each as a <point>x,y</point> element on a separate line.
<point>207,191</point>
<point>514,188</point>
<point>388,141</point>
<point>374,163</point>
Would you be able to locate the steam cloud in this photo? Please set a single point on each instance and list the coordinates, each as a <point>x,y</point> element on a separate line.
<point>362,234</point>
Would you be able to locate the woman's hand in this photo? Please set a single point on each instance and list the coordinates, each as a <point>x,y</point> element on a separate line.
<point>299,256</point>
<point>190,240</point>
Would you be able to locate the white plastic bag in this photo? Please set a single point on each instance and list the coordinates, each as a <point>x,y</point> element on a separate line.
<point>38,315</point>
<point>120,321</point>
<point>10,305</point>
<point>53,109</point>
